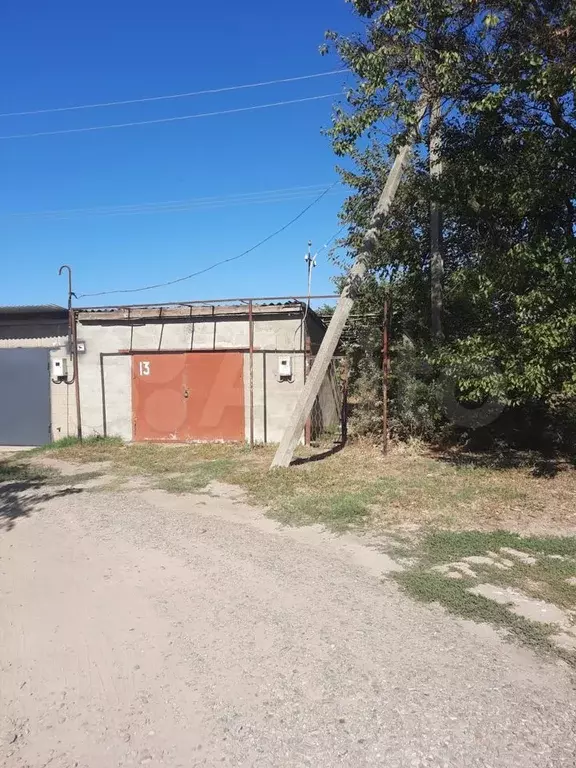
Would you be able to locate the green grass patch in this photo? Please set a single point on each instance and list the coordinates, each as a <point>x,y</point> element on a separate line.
<point>339,512</point>
<point>544,579</point>
<point>16,472</point>
<point>95,444</point>
<point>353,488</point>
<point>453,595</point>
<point>343,496</point>
<point>197,478</point>
<point>448,546</point>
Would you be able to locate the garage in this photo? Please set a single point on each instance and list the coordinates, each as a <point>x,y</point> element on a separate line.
<point>34,408</point>
<point>24,397</point>
<point>229,370</point>
<point>188,396</point>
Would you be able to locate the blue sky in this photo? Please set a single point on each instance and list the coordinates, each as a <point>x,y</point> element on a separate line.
<point>67,53</point>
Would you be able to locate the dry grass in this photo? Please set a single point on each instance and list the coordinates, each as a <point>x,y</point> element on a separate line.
<point>358,487</point>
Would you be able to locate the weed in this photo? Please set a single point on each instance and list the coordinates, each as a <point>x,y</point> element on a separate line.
<point>453,595</point>
<point>17,472</point>
<point>339,511</point>
<point>93,441</point>
<point>448,546</point>
<point>95,444</point>
<point>197,478</point>
<point>354,487</point>
<point>544,577</point>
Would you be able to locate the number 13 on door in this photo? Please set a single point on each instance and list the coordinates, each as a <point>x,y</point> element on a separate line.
<point>144,367</point>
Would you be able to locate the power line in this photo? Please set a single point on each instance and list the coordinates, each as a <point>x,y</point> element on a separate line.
<point>168,119</point>
<point>311,261</point>
<point>202,207</point>
<point>203,203</point>
<point>217,263</point>
<point>173,95</point>
<point>331,240</point>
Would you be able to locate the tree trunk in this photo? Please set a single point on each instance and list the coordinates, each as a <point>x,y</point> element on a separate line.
<point>436,257</point>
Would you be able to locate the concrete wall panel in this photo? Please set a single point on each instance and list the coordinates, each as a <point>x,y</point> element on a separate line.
<point>204,336</point>
<point>284,335</point>
<point>100,338</point>
<point>176,336</point>
<point>118,396</point>
<point>281,396</point>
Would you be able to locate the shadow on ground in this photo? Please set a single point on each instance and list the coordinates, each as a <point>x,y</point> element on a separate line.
<point>23,488</point>
<point>540,465</point>
<point>336,448</point>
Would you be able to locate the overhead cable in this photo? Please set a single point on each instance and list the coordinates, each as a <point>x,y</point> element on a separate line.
<point>285,194</point>
<point>217,263</point>
<point>184,95</point>
<point>168,119</point>
<point>330,240</point>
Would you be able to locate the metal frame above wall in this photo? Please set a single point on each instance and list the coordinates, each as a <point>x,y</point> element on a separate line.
<point>206,302</point>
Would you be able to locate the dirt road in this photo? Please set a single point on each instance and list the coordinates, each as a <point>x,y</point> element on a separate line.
<point>139,628</point>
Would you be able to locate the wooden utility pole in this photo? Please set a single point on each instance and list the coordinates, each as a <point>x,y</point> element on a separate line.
<point>436,256</point>
<point>308,395</point>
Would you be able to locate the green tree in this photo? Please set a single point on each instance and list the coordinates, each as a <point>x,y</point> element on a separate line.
<point>505,75</point>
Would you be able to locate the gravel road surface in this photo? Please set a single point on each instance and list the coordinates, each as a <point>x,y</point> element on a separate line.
<point>139,628</point>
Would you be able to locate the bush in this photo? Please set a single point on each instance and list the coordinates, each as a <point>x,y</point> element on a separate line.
<point>415,398</point>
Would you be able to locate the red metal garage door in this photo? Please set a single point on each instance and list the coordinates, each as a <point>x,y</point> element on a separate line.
<point>188,396</point>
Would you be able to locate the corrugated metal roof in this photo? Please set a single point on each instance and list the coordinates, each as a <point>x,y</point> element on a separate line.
<point>222,303</point>
<point>158,313</point>
<point>32,309</point>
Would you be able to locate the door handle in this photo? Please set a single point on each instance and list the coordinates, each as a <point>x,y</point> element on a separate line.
<point>186,393</point>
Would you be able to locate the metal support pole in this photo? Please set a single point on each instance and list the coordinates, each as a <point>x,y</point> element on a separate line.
<point>385,370</point>
<point>251,357</point>
<point>76,376</point>
<point>103,391</point>
<point>307,350</point>
<point>70,294</point>
<point>344,413</point>
<point>73,349</point>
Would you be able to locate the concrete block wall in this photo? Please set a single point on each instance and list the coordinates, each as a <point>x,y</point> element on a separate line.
<point>99,338</point>
<point>274,400</point>
<point>53,336</point>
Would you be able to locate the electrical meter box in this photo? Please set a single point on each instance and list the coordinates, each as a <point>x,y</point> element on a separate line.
<point>59,368</point>
<point>285,368</point>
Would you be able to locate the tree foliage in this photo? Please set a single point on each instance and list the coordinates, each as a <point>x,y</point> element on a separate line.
<point>506,76</point>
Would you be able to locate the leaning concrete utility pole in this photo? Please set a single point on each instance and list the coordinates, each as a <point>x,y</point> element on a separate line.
<point>308,395</point>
